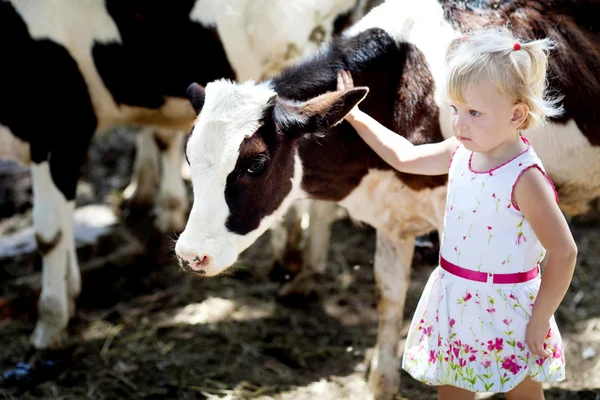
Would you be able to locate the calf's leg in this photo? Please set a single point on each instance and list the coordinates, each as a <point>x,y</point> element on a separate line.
<point>393,259</point>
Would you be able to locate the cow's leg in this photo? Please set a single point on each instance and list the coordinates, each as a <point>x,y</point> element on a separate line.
<point>54,186</point>
<point>393,259</point>
<point>145,176</point>
<point>172,202</point>
<point>55,170</point>
<point>52,221</point>
<point>314,251</point>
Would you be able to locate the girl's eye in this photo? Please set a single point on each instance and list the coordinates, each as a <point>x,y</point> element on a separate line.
<point>454,110</point>
<point>474,113</point>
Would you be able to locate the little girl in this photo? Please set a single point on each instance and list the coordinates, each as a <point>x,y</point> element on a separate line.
<point>485,321</point>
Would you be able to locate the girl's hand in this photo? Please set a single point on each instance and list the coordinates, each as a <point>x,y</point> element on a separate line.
<point>535,336</point>
<point>344,82</point>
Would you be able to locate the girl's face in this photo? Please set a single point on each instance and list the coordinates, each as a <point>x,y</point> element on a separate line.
<point>487,120</point>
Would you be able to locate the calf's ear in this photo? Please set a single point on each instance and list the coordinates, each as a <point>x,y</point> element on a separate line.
<point>329,109</point>
<point>195,93</point>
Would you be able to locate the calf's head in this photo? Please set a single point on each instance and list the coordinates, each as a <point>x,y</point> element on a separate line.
<point>244,163</point>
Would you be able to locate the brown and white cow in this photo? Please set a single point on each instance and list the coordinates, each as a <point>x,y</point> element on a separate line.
<point>257,147</point>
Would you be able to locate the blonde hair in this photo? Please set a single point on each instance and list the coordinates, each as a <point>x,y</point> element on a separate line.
<point>518,71</point>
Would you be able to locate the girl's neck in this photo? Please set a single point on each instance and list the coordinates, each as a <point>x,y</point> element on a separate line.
<point>500,154</point>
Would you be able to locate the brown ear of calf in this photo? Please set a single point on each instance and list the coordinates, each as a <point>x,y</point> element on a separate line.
<point>329,109</point>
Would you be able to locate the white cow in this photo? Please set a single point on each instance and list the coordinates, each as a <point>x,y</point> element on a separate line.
<point>71,69</point>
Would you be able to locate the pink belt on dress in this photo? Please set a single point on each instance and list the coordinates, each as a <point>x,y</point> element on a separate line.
<point>516,277</point>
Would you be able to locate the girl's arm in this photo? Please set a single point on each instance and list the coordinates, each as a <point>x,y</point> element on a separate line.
<point>425,159</point>
<point>398,152</point>
<point>536,199</point>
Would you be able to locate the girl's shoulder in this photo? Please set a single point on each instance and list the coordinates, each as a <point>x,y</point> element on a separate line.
<point>528,161</point>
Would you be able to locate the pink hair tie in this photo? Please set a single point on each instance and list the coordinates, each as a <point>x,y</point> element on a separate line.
<point>517,46</point>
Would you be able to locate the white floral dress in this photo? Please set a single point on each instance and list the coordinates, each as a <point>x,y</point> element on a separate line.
<point>471,334</point>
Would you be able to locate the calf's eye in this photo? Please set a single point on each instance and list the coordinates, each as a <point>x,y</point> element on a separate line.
<point>257,165</point>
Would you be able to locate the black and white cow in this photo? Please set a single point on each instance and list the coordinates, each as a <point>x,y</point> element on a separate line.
<point>257,147</point>
<point>70,69</point>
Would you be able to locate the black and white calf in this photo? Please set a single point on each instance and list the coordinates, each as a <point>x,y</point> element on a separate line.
<point>72,68</point>
<point>257,147</point>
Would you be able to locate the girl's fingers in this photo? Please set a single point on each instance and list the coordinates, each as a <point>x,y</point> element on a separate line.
<point>344,80</point>
<point>349,82</point>
<point>538,350</point>
<point>533,348</point>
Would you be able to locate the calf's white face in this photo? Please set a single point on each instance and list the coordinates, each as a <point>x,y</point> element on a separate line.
<point>244,165</point>
<point>230,114</point>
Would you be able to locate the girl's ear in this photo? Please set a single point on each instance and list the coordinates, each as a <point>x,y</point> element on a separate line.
<point>520,112</point>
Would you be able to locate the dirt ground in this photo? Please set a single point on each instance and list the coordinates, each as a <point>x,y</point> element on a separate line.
<point>147,330</point>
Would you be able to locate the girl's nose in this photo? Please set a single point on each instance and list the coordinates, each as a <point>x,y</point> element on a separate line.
<point>459,125</point>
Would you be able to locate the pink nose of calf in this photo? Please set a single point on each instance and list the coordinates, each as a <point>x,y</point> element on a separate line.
<point>194,263</point>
